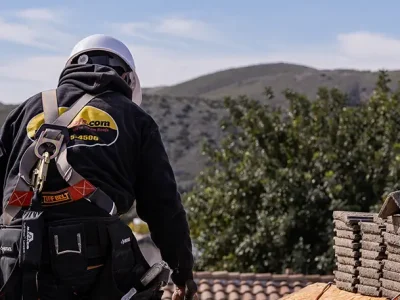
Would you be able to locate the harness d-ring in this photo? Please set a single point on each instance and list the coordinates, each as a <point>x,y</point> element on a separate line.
<point>43,140</point>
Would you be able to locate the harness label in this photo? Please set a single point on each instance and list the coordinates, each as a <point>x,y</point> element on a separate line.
<point>124,241</point>
<point>6,250</point>
<point>56,198</point>
<point>30,237</point>
<point>91,127</point>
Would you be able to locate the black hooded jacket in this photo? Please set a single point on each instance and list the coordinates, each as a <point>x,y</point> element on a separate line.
<point>119,149</point>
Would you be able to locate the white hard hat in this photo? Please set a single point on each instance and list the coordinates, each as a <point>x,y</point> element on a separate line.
<point>114,46</point>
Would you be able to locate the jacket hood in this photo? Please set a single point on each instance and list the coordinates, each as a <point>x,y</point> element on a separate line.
<point>94,79</point>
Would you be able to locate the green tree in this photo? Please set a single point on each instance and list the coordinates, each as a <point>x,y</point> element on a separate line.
<point>265,202</point>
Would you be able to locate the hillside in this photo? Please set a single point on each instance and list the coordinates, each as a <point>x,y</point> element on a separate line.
<point>190,112</point>
<point>252,80</point>
<point>186,122</point>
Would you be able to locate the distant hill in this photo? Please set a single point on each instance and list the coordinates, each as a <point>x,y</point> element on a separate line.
<point>153,90</point>
<point>190,112</point>
<point>252,80</point>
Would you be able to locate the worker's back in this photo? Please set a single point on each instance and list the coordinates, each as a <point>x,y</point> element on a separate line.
<point>105,138</point>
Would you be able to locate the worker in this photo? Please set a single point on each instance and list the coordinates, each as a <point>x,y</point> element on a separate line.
<point>72,160</point>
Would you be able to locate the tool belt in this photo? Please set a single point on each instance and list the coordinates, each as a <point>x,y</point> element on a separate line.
<point>29,242</point>
<point>70,246</point>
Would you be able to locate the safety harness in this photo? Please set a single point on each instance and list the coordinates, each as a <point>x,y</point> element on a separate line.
<point>73,242</point>
<point>51,143</point>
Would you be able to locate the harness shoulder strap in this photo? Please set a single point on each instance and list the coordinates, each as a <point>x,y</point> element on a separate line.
<point>71,113</point>
<point>50,106</point>
<point>53,131</point>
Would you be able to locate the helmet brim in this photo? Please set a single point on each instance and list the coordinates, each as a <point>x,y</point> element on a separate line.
<point>136,90</point>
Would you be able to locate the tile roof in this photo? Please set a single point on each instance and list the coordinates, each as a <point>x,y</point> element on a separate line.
<point>248,286</point>
<point>225,285</point>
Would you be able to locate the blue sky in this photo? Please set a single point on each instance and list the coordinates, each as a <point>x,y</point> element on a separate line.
<point>173,41</point>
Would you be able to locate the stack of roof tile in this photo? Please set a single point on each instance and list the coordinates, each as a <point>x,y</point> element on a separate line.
<point>390,280</point>
<point>372,253</point>
<point>347,247</point>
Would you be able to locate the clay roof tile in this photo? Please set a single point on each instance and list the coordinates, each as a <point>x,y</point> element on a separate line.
<point>244,288</point>
<point>257,288</point>
<point>203,286</point>
<point>234,296</point>
<point>274,296</point>
<point>230,288</point>
<point>271,288</point>
<point>217,287</point>
<point>220,295</point>
<point>261,296</point>
<point>207,295</point>
<point>247,296</point>
<point>284,288</point>
<point>297,285</point>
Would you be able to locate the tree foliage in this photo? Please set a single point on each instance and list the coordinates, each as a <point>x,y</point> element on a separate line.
<point>265,202</point>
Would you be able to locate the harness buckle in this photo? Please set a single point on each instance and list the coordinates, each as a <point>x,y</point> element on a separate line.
<point>61,129</point>
<point>50,138</point>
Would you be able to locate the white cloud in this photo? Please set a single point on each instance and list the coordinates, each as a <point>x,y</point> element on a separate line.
<point>22,79</point>
<point>358,50</point>
<point>15,92</point>
<point>186,28</point>
<point>162,66</point>
<point>18,33</point>
<point>367,45</point>
<point>169,27</point>
<point>40,69</point>
<point>36,29</point>
<point>40,14</point>
<point>138,29</point>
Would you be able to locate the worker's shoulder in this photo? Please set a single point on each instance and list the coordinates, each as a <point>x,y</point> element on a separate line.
<point>32,100</point>
<point>26,107</point>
